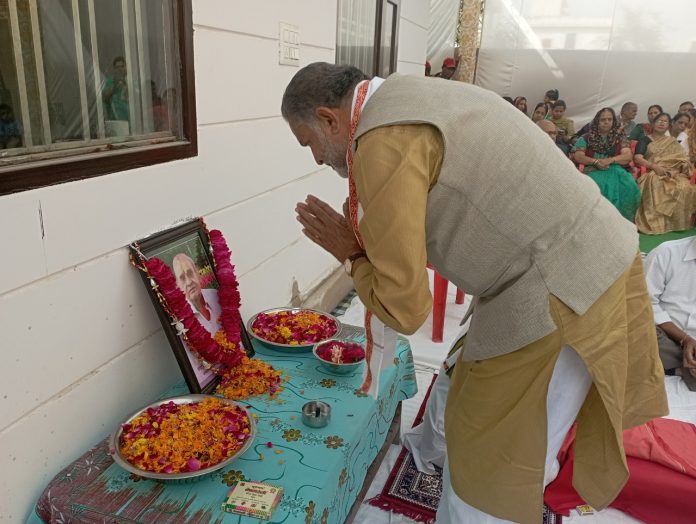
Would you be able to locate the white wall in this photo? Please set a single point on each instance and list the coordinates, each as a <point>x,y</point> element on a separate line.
<point>413,37</point>
<point>81,344</point>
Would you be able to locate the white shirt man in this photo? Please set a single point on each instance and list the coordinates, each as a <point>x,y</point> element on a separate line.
<point>670,271</point>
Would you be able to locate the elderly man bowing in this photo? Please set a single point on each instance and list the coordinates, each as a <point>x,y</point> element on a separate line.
<point>562,327</point>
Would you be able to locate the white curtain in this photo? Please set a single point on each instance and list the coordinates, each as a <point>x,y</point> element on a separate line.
<point>356,33</point>
<point>441,32</point>
<point>597,53</point>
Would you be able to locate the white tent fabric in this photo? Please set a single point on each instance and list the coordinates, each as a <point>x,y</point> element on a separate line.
<point>441,32</point>
<point>597,53</point>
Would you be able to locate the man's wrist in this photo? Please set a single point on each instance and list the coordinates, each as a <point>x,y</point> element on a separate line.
<point>357,255</point>
<point>350,261</point>
<point>356,264</point>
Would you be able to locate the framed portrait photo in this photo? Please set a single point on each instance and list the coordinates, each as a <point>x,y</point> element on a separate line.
<point>186,251</point>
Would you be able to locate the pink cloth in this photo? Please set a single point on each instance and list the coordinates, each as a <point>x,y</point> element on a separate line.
<point>668,442</point>
<point>653,494</point>
<point>662,483</point>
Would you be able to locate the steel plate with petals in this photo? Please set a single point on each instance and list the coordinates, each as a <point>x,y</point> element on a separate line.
<point>291,348</point>
<point>115,449</point>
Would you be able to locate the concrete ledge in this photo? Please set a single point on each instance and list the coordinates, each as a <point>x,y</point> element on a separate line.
<point>327,294</point>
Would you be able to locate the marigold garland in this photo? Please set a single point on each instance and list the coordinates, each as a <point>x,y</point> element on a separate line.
<point>177,438</point>
<point>195,334</point>
<point>228,293</point>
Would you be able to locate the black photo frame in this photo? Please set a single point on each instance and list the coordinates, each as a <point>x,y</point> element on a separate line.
<point>188,240</point>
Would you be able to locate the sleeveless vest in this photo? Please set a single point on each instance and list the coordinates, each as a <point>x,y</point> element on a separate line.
<point>510,220</point>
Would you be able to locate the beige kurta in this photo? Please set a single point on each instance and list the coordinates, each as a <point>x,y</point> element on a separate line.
<point>496,415</point>
<point>394,167</point>
<point>497,407</point>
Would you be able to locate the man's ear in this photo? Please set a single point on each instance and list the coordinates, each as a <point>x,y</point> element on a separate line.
<point>329,119</point>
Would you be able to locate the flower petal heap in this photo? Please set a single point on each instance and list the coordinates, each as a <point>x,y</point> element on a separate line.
<point>252,377</point>
<point>178,438</point>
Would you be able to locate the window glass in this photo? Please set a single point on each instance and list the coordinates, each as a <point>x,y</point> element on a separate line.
<point>87,73</point>
<point>355,39</point>
<point>388,44</point>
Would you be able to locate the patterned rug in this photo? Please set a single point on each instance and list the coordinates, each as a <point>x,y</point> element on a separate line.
<point>416,495</point>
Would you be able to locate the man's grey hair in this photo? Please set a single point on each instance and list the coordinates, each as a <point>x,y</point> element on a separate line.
<point>318,85</point>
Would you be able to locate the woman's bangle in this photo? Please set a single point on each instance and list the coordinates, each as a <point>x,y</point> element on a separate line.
<point>681,342</point>
<point>595,162</point>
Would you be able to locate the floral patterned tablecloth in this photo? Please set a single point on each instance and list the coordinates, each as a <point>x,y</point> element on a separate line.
<point>320,470</point>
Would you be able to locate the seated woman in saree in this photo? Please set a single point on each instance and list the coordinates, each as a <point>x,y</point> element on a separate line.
<point>668,198</point>
<point>605,152</point>
<point>646,128</point>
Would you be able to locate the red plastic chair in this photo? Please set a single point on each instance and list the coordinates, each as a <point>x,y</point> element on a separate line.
<point>634,168</point>
<point>440,286</point>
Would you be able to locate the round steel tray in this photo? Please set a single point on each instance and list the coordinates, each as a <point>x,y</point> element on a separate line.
<point>115,449</point>
<point>291,348</point>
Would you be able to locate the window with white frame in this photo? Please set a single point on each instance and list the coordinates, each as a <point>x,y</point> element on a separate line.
<point>85,80</point>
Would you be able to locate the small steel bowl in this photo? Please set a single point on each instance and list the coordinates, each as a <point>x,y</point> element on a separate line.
<point>333,367</point>
<point>290,348</point>
<point>189,476</point>
<point>316,414</point>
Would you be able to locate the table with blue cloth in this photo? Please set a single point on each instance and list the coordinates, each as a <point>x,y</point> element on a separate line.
<point>320,470</point>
